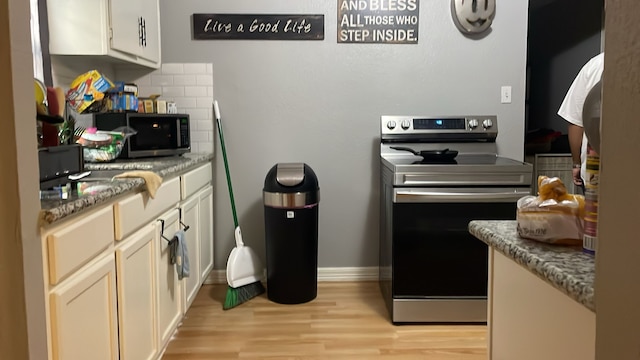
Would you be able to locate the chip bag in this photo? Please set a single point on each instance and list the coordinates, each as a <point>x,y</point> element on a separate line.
<point>554,216</point>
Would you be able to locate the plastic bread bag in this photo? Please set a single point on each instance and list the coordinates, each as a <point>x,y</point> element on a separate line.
<point>554,216</point>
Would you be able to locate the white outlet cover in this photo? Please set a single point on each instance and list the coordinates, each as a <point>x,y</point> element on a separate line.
<point>505,94</point>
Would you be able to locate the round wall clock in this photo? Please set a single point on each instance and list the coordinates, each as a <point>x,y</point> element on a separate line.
<point>473,16</point>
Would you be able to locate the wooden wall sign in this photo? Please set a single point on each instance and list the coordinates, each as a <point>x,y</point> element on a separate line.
<point>257,27</point>
<point>378,21</point>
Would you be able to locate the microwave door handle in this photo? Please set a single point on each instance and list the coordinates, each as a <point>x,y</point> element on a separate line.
<point>178,140</point>
<point>439,196</point>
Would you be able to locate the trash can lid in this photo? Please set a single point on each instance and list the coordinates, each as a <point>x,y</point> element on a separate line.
<point>291,178</point>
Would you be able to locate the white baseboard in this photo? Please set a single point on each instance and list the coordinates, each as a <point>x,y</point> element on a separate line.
<point>348,274</point>
<point>324,274</point>
<point>216,277</point>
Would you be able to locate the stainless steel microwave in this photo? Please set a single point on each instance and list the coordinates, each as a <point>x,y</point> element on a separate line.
<point>156,134</point>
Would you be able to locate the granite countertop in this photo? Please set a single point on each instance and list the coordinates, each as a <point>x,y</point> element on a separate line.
<point>87,194</point>
<point>566,268</point>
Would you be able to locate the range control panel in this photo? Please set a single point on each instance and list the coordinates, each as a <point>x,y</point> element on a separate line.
<point>472,126</point>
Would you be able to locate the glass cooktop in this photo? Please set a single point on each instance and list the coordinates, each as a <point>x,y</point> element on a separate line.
<point>460,159</point>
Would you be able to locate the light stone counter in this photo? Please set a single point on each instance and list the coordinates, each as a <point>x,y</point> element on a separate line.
<point>90,194</point>
<point>566,268</point>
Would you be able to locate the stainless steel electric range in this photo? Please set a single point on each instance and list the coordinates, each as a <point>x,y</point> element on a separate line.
<point>437,174</point>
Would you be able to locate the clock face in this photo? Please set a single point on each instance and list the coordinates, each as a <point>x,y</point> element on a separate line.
<point>473,16</point>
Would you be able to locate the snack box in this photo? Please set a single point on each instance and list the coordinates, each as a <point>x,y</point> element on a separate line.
<point>87,89</point>
<point>122,102</point>
<point>122,87</point>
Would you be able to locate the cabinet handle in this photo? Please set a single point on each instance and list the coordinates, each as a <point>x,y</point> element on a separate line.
<point>144,32</point>
<point>162,231</point>
<point>140,31</point>
<point>185,227</point>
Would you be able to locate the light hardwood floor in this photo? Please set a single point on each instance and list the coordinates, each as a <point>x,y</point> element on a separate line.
<point>345,321</point>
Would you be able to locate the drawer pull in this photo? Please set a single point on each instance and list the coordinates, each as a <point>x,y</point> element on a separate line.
<point>185,226</point>
<point>162,231</point>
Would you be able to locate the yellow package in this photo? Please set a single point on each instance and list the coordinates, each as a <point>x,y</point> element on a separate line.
<point>87,89</point>
<point>554,216</point>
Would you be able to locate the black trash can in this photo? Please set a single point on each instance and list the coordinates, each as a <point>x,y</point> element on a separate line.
<point>291,195</point>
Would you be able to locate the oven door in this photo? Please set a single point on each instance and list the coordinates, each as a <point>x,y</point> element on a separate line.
<point>433,254</point>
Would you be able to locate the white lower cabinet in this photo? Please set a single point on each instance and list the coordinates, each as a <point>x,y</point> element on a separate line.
<point>83,313</point>
<point>135,272</point>
<point>113,292</point>
<point>205,224</point>
<point>169,289</point>
<point>192,238</point>
<point>531,320</point>
<point>197,214</point>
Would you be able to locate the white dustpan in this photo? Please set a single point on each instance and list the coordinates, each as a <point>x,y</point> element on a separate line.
<point>243,265</point>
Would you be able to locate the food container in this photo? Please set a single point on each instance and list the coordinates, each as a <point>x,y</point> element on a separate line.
<point>103,146</point>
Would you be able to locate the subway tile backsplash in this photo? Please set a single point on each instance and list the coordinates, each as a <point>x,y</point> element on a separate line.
<point>190,86</point>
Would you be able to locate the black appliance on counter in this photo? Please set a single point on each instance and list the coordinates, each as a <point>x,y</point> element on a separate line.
<point>437,174</point>
<point>56,163</point>
<point>156,134</point>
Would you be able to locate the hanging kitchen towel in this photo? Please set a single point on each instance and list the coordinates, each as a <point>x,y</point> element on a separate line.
<point>152,180</point>
<point>179,255</point>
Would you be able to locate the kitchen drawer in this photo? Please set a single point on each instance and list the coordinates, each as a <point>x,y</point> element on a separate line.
<point>79,242</point>
<point>137,210</point>
<point>195,180</point>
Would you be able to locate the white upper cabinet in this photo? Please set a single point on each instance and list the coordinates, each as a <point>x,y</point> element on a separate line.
<point>122,30</point>
<point>134,26</point>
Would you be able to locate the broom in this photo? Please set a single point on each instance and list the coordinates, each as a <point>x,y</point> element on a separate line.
<point>244,269</point>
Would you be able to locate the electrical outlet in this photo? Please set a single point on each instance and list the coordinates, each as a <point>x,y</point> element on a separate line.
<point>505,95</point>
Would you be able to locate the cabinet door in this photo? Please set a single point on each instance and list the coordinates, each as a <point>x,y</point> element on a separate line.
<point>133,212</point>
<point>169,288</point>
<point>135,265</point>
<point>84,30</point>
<point>205,223</point>
<point>151,34</point>
<point>135,27</point>
<point>530,319</point>
<point>190,218</point>
<point>126,26</point>
<point>83,314</point>
<point>67,246</point>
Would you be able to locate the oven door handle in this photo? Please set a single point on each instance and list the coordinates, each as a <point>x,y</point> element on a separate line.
<point>459,195</point>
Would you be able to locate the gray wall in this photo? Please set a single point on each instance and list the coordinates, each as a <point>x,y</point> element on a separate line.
<point>320,102</point>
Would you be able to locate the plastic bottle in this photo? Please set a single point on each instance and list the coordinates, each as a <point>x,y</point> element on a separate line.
<point>590,237</point>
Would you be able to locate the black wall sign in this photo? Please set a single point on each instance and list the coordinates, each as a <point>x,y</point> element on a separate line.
<point>378,21</point>
<point>257,27</point>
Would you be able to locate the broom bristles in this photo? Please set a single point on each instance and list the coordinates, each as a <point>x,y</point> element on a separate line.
<point>242,294</point>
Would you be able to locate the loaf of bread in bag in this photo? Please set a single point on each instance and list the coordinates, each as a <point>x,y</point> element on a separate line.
<point>554,216</point>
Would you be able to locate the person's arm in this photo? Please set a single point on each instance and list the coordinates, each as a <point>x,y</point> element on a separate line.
<point>575,133</point>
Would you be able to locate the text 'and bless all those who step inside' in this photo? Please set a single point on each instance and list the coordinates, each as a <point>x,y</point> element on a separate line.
<point>377,21</point>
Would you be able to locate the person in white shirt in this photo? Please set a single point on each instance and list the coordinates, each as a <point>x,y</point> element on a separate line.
<point>571,111</point>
